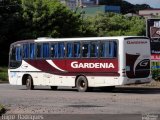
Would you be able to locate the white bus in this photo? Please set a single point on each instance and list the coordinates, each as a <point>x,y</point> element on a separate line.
<point>80,62</point>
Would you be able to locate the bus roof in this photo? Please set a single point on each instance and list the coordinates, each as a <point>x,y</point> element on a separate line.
<point>46,39</point>
<point>87,38</point>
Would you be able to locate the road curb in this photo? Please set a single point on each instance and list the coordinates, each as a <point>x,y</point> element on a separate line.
<point>1,82</point>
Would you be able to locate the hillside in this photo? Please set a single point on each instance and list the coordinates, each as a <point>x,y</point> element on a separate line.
<point>126,7</point>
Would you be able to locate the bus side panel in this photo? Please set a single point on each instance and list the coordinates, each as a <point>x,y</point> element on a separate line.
<point>64,80</point>
<point>65,67</point>
<point>106,65</point>
<point>100,81</point>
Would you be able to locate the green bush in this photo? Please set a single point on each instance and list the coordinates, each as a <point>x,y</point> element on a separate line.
<point>2,109</point>
<point>156,74</point>
<point>3,74</point>
<point>1,106</point>
<point>155,70</point>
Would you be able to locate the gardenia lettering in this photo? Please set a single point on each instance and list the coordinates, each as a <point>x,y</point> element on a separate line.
<point>91,65</point>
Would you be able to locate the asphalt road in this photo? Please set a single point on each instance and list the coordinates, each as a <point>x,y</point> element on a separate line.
<point>66,101</point>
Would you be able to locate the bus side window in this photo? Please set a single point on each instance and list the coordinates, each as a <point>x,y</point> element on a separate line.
<point>45,50</point>
<point>39,51</point>
<point>32,50</point>
<point>13,54</point>
<point>76,51</point>
<point>18,54</point>
<point>25,51</point>
<point>54,50</point>
<point>113,49</point>
<point>69,50</point>
<point>108,49</point>
<point>86,50</point>
<point>94,49</point>
<point>61,50</point>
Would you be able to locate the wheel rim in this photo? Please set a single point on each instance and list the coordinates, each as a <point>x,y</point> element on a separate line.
<point>28,83</point>
<point>82,84</point>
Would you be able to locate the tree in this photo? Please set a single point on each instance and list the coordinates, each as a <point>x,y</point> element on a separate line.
<point>9,18</point>
<point>29,19</point>
<point>112,24</point>
<point>99,23</point>
<point>138,7</point>
<point>49,18</point>
<point>9,25</point>
<point>111,2</point>
<point>35,14</point>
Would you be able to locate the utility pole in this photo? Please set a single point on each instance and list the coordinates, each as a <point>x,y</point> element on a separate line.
<point>97,2</point>
<point>77,3</point>
<point>80,3</point>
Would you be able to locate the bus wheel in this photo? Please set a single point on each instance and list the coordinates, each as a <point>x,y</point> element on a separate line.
<point>54,87</point>
<point>82,84</point>
<point>29,83</point>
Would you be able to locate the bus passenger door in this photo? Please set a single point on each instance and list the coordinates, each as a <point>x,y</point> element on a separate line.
<point>15,63</point>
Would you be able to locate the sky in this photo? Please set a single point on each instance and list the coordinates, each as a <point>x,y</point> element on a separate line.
<point>152,3</point>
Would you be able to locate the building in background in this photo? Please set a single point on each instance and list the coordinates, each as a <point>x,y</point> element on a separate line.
<point>72,4</point>
<point>132,15</point>
<point>149,13</point>
<point>90,7</point>
<point>91,10</point>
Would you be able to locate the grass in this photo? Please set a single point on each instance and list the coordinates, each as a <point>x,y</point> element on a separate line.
<point>1,106</point>
<point>3,74</point>
<point>2,109</point>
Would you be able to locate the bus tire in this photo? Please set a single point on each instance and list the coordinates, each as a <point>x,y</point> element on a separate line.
<point>29,83</point>
<point>82,84</point>
<point>54,87</point>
